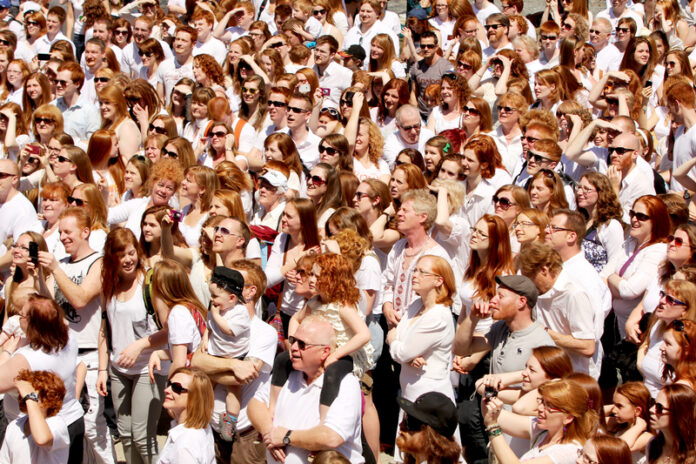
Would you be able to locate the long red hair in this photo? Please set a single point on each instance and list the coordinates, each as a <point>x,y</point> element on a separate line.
<point>336,282</point>
<point>499,259</point>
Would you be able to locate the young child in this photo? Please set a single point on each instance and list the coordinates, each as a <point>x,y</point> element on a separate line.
<point>302,10</point>
<point>228,334</point>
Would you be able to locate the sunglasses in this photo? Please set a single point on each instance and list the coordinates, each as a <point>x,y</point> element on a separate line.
<point>504,203</point>
<point>33,160</point>
<point>169,154</point>
<point>44,120</point>
<point>147,54</point>
<point>32,23</point>
<point>410,128</point>
<point>319,12</point>
<point>176,387</point>
<point>568,27</point>
<point>224,231</point>
<point>622,29</point>
<point>63,159</point>
<point>537,158</point>
<point>528,139</point>
<point>331,111</point>
<point>361,195</point>
<point>641,217</point>
<point>301,344</point>
<point>506,109</point>
<point>346,102</point>
<point>103,80</point>
<point>465,66</point>
<point>330,150</point>
<point>277,45</point>
<point>595,31</point>
<point>549,37</point>
<point>250,91</point>
<point>4,42</point>
<point>120,32</point>
<point>620,150</point>
<point>157,129</point>
<point>296,110</point>
<point>218,134</point>
<point>428,46</point>
<point>316,180</point>
<point>660,409</point>
<point>671,300</point>
<point>277,104</point>
<point>411,424</point>
<point>472,111</point>
<point>678,241</point>
<point>75,201</point>
<point>679,326</point>
<point>495,27</point>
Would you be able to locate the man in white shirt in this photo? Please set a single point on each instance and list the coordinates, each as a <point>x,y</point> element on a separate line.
<point>681,103</point>
<point>548,33</point>
<point>295,428</point>
<point>564,233</point>
<point>411,134</point>
<point>497,27</point>
<point>629,182</point>
<point>55,18</point>
<point>619,10</point>
<point>203,21</point>
<point>81,116</point>
<point>608,56</point>
<point>483,9</point>
<point>332,76</point>
<point>103,29</point>
<point>562,307</point>
<point>95,56</point>
<point>172,70</point>
<point>131,62</point>
<point>307,143</point>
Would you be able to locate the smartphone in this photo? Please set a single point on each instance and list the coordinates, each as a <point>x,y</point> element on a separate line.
<point>349,97</point>
<point>175,215</point>
<point>44,56</point>
<point>648,83</point>
<point>325,92</point>
<point>34,253</point>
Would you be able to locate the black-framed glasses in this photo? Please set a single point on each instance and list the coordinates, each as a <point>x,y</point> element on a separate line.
<point>170,154</point>
<point>620,150</point>
<point>75,201</point>
<point>536,157</point>
<point>158,130</point>
<point>476,231</point>
<point>528,139</point>
<point>410,128</point>
<point>660,409</point>
<point>555,229</point>
<point>623,29</point>
<point>33,23</point>
<point>464,66</point>
<point>346,102</point>
<point>301,344</point>
<point>176,387</point>
<point>318,12</point>
<point>277,45</point>
<point>428,46</point>
<point>361,195</point>
<point>63,159</point>
<point>49,121</point>
<point>33,160</point>
<point>504,203</point>
<point>147,54</point>
<point>296,110</point>
<point>316,180</point>
<point>495,27</point>
<point>567,26</point>
<point>505,109</point>
<point>121,32</point>
<point>549,37</point>
<point>679,326</point>
<point>330,150</point>
<point>678,241</point>
<point>277,104</point>
<point>218,134</point>
<point>103,80</point>
<point>473,111</point>
<point>249,91</point>
<point>671,300</point>
<point>641,217</point>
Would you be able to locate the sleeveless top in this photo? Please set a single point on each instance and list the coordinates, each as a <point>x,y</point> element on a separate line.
<point>594,251</point>
<point>362,359</point>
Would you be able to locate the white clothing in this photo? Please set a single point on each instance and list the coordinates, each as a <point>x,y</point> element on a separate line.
<point>336,78</point>
<point>442,124</point>
<point>356,37</point>
<point>684,150</point>
<point>132,63</point>
<point>235,345</point>
<point>12,326</point>
<point>308,149</point>
<point>290,302</point>
<point>373,172</point>
<point>652,365</point>
<point>18,216</point>
<point>213,47</point>
<point>188,446</point>
<point>20,448</point>
<point>609,58</point>
<point>485,12</point>
<point>169,72</point>
<point>510,152</point>
<point>634,186</point>
<point>182,329</point>
<point>560,453</point>
<point>395,143</point>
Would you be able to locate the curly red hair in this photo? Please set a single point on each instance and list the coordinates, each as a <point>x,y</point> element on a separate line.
<point>49,387</point>
<point>336,282</point>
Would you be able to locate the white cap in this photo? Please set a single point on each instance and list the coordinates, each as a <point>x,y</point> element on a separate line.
<point>30,6</point>
<point>277,179</point>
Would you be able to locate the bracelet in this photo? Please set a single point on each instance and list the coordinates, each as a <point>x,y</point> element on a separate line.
<point>494,432</point>
<point>103,370</point>
<point>492,426</point>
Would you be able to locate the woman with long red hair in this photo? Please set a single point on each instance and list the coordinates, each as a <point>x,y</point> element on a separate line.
<point>673,417</point>
<point>115,117</point>
<point>679,352</point>
<point>484,171</point>
<point>109,167</point>
<point>395,94</point>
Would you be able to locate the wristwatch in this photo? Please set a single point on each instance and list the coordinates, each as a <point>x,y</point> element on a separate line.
<point>286,438</point>
<point>31,396</point>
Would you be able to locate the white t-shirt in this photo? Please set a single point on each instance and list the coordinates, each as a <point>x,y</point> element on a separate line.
<point>12,327</point>
<point>18,216</point>
<point>170,72</point>
<point>190,446</point>
<point>182,329</point>
<point>20,448</point>
<point>230,346</point>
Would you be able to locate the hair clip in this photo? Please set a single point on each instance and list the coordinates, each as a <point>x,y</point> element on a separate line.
<point>447,148</point>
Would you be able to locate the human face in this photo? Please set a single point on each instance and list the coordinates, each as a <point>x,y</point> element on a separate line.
<point>63,165</point>
<point>586,194</point>
<point>203,28</point>
<point>52,24</point>
<point>567,28</point>
<point>668,309</point>
<point>151,230</point>
<point>128,261</point>
<point>670,349</point>
<point>313,277</point>
<point>449,170</point>
<point>175,403</point>
<point>316,184</point>
<point>183,45</point>
<point>504,304</point>
<point>258,38</point>
<point>120,36</point>
<point>557,232</point>
<point>71,235</point>
<point>543,90</point>
<point>524,54</point>
<point>329,154</point>
<point>508,115</point>
<point>268,194</point>
<point>472,116</point>
<point>679,254</point>
<point>190,188</point>
<point>93,56</point>
<point>398,184</point>
<point>227,236</point>
<point>33,89</point>
<point>322,53</point>
<point>277,108</point>
<point>131,179</point>
<point>391,99</point>
<point>314,352</point>
<point>362,200</point>
<point>640,230</point>
<point>537,160</point>
<point>101,31</point>
<point>442,9</point>
<point>495,31</point>
<point>20,251</point>
<point>447,93</point>
<point>52,208</point>
<point>549,417</point>
<point>4,61</point>
<point>465,69</point>
<point>598,36</point>
<point>273,152</point>
<point>623,410</point>
<point>368,16</point>
<point>525,230</point>
<point>217,208</point>
<point>290,221</point>
<point>588,454</point>
<point>623,33</point>
<point>506,208</point>
<point>108,110</point>
<point>220,299</point>
<point>673,65</point>
<point>14,75</point>
<point>407,218</point>
<point>428,48</point>
<point>642,54</point>
<point>140,31</point>
<point>533,374</point>
<point>424,279</point>
<point>432,158</point>
<point>540,194</point>
<point>98,84</point>
<point>296,120</point>
<point>234,53</point>
<point>471,166</point>
<point>218,137</point>
<point>162,191</point>
<point>199,110</point>
<point>250,92</point>
<point>376,52</point>
<point>480,240</point>
<point>660,422</point>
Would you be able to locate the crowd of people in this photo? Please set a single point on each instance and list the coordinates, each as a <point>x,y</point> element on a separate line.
<point>299,231</point>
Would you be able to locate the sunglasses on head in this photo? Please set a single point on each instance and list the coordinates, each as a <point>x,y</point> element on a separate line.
<point>504,203</point>
<point>75,201</point>
<point>157,129</point>
<point>103,80</point>
<point>277,45</point>
<point>296,110</point>
<point>679,326</point>
<point>331,111</point>
<point>277,104</point>
<point>316,180</point>
<point>176,387</point>
<point>301,344</point>
<point>330,150</point>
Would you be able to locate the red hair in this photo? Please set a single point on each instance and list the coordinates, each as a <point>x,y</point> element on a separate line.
<point>487,153</point>
<point>116,243</point>
<point>499,259</point>
<point>661,225</point>
<point>46,329</point>
<point>336,281</point>
<point>49,387</point>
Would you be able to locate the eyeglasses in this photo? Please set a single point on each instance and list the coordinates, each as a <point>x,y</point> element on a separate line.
<point>4,42</point>
<point>277,104</point>
<point>410,128</point>
<point>332,112</point>
<point>103,80</point>
<point>33,23</point>
<point>411,424</point>
<point>495,27</point>
<point>568,27</point>
<point>218,134</point>
<point>224,231</point>
<point>159,130</point>
<point>121,32</point>
<point>585,459</point>
<point>476,231</point>
<point>547,406</point>
<point>63,159</point>
<point>170,154</point>
<point>296,110</point>
<point>678,241</point>
<point>536,157</point>
<point>44,120</point>
<point>426,273</point>
<point>531,140</point>
<point>303,345</point>
<point>660,409</point>
<point>330,150</point>
<point>147,54</point>
<point>361,195</point>
<point>620,150</point>
<point>595,31</point>
<point>549,37</point>
<point>428,46</point>
<point>670,64</point>
<point>671,300</point>
<point>19,247</point>
<point>470,110</point>
<point>555,229</point>
<point>504,203</point>
<point>679,326</point>
<point>622,29</point>
<point>346,102</point>
<point>264,184</point>
<point>585,190</point>
<point>316,180</point>
<point>641,217</point>
<point>249,91</point>
<point>176,387</point>
<point>277,45</point>
<point>319,12</point>
<point>33,160</point>
<point>517,224</point>
<point>506,109</point>
<point>464,66</point>
<point>75,201</point>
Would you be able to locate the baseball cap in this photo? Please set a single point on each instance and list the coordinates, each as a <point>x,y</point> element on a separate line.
<point>520,285</point>
<point>30,6</point>
<point>230,280</point>
<point>418,13</point>
<point>4,3</point>
<point>433,409</point>
<point>276,179</point>
<point>354,51</point>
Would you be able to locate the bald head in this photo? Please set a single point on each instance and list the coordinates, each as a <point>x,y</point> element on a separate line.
<point>603,24</point>
<point>407,112</point>
<point>625,124</point>
<point>9,166</point>
<point>318,330</point>
<point>627,140</point>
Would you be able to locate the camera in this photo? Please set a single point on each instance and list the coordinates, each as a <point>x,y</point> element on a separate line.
<point>490,392</point>
<point>175,215</point>
<point>34,252</point>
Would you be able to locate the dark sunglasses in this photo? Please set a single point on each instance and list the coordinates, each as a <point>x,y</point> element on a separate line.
<point>428,46</point>
<point>679,326</point>
<point>120,32</point>
<point>568,27</point>
<point>411,424</point>
<point>470,110</point>
<point>620,150</point>
<point>331,111</point>
<point>176,387</point>
<point>504,203</point>
<point>678,241</point>
<point>32,23</point>
<point>506,109</point>
<point>169,154</point>
<point>536,157</point>
<point>465,66</point>
<point>301,344</point>
<point>495,27</point>
<point>612,101</point>
<point>660,409</point>
<point>33,160</point>
<point>75,201</point>
<point>346,102</point>
<point>410,128</point>
<point>673,301</point>
<point>528,139</point>
<point>63,159</point>
<point>549,37</point>
<point>296,110</point>
<point>642,217</point>
<point>622,29</point>
<point>319,12</point>
<point>277,104</point>
<point>277,45</point>
<point>103,80</point>
<point>316,180</point>
<point>4,42</point>
<point>44,120</point>
<point>361,195</point>
<point>159,130</point>
<point>218,134</point>
<point>330,150</point>
<point>147,54</point>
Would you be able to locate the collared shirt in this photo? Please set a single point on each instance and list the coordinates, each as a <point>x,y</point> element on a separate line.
<point>609,58</point>
<point>336,78</point>
<point>188,445</point>
<point>308,149</point>
<point>510,152</point>
<point>43,43</point>
<point>81,119</point>
<point>510,350</point>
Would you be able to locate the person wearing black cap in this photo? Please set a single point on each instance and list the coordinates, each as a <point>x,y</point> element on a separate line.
<point>426,432</point>
<point>370,25</point>
<point>353,57</point>
<point>228,334</point>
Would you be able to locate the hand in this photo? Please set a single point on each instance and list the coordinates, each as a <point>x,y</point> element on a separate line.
<point>23,387</point>
<point>418,362</point>
<point>490,410</point>
<point>293,277</point>
<point>154,364</point>
<point>358,100</point>
<point>614,176</point>
<point>184,89</point>
<point>318,97</point>
<point>389,210</point>
<point>392,316</point>
<point>503,59</point>
<point>101,383</point>
<point>391,336</point>
<point>229,141</point>
<point>331,246</point>
<point>647,91</point>
<point>8,113</point>
<point>493,380</point>
<point>11,344</point>
<point>203,345</point>
<point>633,332</point>
<point>130,354</point>
<point>277,453</point>
<point>315,250</point>
<point>166,220</point>
<point>575,120</point>
<point>297,29</point>
<point>480,310</point>
<point>462,364</point>
<point>245,371</point>
<point>102,185</point>
<point>141,113</point>
<point>48,261</point>
<point>619,75</point>
<point>275,436</point>
<point>407,33</point>
<point>602,124</point>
